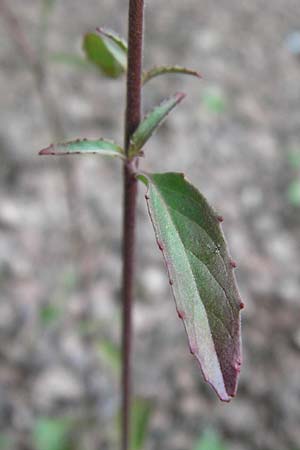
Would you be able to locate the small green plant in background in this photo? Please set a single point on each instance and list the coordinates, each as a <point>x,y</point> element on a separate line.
<point>214,100</point>
<point>52,311</point>
<point>187,229</point>
<point>210,440</point>
<point>52,434</point>
<point>293,190</point>
<point>6,442</point>
<point>293,193</point>
<point>142,408</point>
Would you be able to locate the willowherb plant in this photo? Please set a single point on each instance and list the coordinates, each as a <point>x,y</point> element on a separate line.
<point>187,229</point>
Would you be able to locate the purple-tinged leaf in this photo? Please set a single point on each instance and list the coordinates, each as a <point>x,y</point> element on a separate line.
<point>151,122</point>
<point>201,274</point>
<point>102,147</point>
<point>163,70</point>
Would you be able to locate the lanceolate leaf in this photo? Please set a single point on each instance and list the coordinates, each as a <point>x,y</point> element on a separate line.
<point>200,270</point>
<point>85,147</point>
<point>109,57</point>
<point>162,70</point>
<point>151,122</point>
<point>114,37</point>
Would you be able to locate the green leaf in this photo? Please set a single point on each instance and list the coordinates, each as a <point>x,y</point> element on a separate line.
<point>151,122</point>
<point>201,274</point>
<point>114,37</point>
<point>162,70</point>
<point>293,193</point>
<point>108,56</point>
<point>85,147</point>
<point>210,441</point>
<point>51,434</point>
<point>141,415</point>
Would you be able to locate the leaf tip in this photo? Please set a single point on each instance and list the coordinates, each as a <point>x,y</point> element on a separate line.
<point>179,96</point>
<point>47,151</point>
<point>101,31</point>
<point>226,398</point>
<point>242,305</point>
<point>220,218</point>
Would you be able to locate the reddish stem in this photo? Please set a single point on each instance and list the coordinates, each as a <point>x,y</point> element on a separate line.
<point>132,120</point>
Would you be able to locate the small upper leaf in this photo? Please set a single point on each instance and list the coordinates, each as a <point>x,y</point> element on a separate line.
<point>188,233</point>
<point>162,70</point>
<point>151,122</point>
<point>105,53</point>
<point>114,37</point>
<point>85,147</point>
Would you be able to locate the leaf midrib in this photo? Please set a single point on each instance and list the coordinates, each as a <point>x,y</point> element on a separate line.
<point>168,208</point>
<point>229,301</point>
<point>206,233</point>
<point>191,200</point>
<point>193,276</point>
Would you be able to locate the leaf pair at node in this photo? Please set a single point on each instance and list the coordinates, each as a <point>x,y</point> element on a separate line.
<point>105,147</point>
<point>108,52</point>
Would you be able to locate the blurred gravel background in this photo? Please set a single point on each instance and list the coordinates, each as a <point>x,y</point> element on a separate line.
<point>237,138</point>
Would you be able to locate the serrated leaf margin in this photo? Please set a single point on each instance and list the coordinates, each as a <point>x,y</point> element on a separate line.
<point>220,391</point>
<point>109,148</point>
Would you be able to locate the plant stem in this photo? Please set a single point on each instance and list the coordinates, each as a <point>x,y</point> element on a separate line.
<point>132,120</point>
